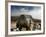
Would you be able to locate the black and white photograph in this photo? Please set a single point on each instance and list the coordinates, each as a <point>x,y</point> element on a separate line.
<point>25,18</point>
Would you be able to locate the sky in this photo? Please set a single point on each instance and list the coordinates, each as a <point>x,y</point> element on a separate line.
<point>34,11</point>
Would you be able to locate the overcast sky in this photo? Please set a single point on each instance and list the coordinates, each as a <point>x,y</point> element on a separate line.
<point>35,11</point>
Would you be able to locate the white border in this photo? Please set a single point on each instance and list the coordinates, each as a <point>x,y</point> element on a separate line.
<point>23,32</point>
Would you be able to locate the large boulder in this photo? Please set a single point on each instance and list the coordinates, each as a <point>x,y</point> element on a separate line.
<point>22,23</point>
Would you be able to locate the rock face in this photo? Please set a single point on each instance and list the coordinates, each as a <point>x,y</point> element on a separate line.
<point>25,23</point>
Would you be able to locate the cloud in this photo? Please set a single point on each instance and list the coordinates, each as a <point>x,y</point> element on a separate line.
<point>35,12</point>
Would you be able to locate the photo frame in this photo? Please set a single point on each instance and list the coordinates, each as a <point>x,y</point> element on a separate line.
<point>34,15</point>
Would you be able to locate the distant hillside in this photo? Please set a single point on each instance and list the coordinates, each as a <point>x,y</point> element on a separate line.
<point>14,18</point>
